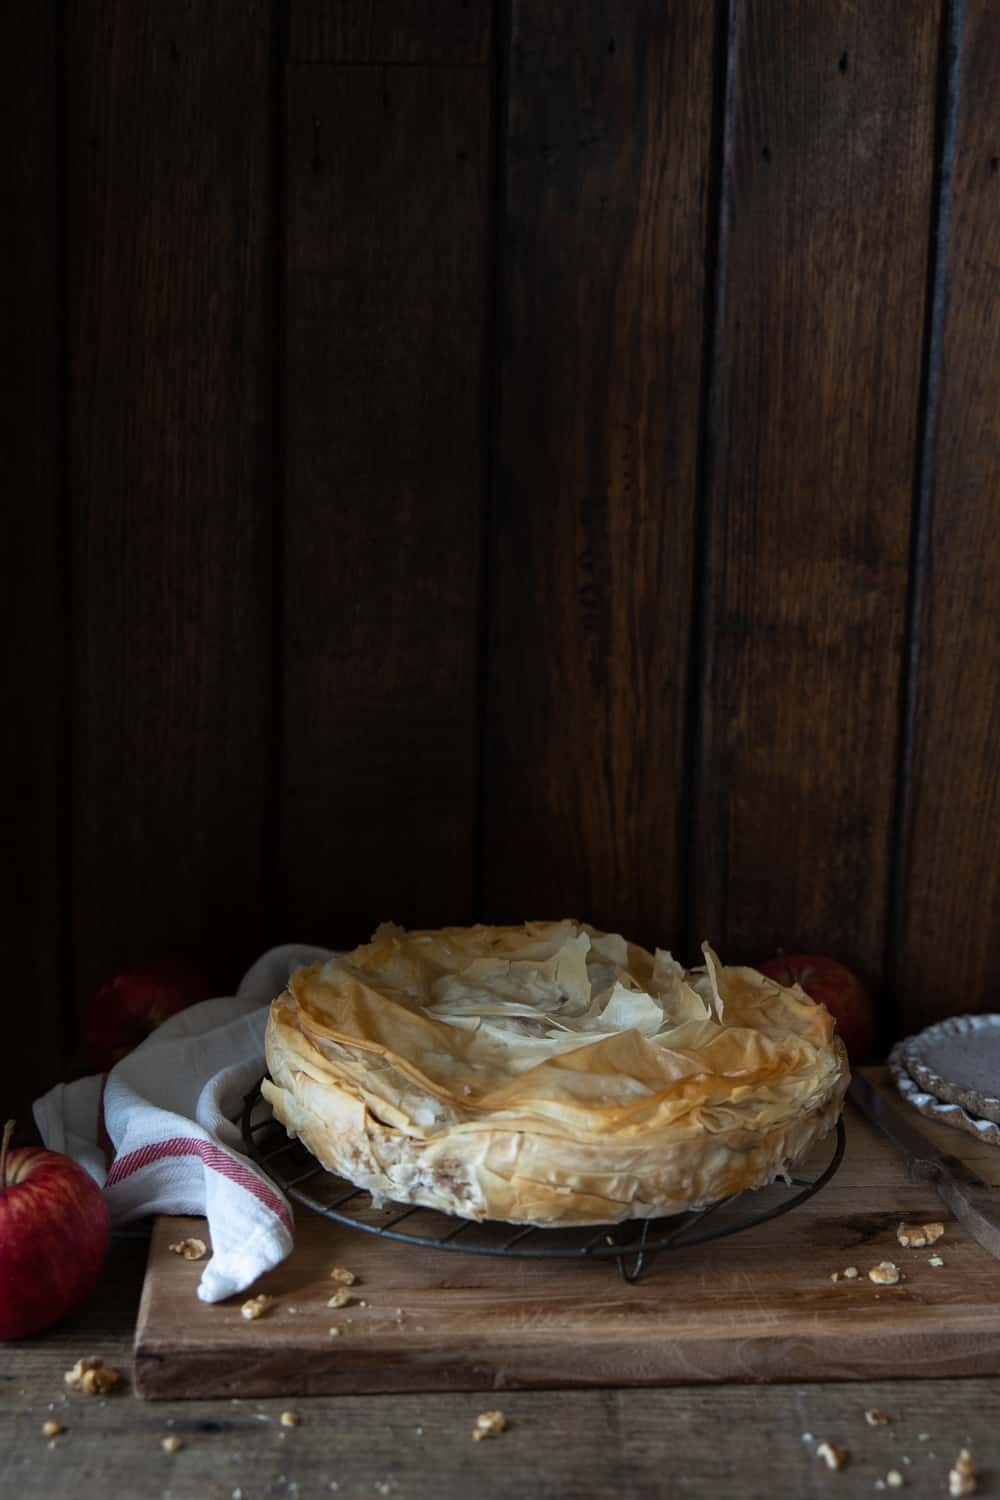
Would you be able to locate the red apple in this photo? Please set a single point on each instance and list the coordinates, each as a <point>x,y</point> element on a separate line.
<point>54,1235</point>
<point>834,986</point>
<point>125,1010</point>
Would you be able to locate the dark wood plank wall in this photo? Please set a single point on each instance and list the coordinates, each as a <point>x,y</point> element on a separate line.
<point>826,199</point>
<point>35,650</point>
<point>170,127</point>
<point>607,149</point>
<point>387,171</point>
<point>491,459</point>
<point>949,954</point>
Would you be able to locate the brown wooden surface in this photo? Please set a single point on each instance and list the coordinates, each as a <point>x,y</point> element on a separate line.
<point>827,192</point>
<point>389,31</point>
<point>731,1443</point>
<point>759,1306</point>
<point>387,174</point>
<point>35,643</point>
<point>608,147</point>
<point>170,356</point>
<point>950,956</point>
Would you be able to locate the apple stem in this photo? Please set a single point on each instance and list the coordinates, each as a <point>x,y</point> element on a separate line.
<point>8,1131</point>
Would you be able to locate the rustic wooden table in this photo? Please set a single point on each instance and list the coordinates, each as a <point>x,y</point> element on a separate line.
<point>718,1441</point>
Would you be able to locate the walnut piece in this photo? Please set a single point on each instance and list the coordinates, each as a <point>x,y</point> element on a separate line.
<point>257,1306</point>
<point>190,1249</point>
<point>171,1444</point>
<point>962,1475</point>
<point>52,1428</point>
<point>876,1418</point>
<point>916,1236</point>
<point>884,1274</point>
<point>489,1424</point>
<point>290,1419</point>
<point>92,1376</point>
<point>833,1456</point>
<point>345,1277</point>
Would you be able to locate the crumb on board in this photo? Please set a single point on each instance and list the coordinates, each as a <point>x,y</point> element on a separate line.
<point>489,1424</point>
<point>916,1236</point>
<point>191,1248</point>
<point>343,1275</point>
<point>894,1479</point>
<point>290,1419</point>
<point>340,1298</point>
<point>52,1428</point>
<point>334,1333</point>
<point>962,1475</point>
<point>92,1376</point>
<point>256,1307</point>
<point>886,1273</point>
<point>851,1273</point>
<point>171,1444</point>
<point>832,1455</point>
<point>935,1260</point>
<point>876,1418</point>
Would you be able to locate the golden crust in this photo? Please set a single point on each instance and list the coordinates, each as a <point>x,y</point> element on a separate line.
<point>549,1073</point>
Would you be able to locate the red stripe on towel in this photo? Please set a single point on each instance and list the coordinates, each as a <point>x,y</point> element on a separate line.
<point>212,1157</point>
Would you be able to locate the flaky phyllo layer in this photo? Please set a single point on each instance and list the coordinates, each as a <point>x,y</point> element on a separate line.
<point>549,1073</point>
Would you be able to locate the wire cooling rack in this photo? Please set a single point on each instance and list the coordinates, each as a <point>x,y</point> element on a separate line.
<point>631,1245</point>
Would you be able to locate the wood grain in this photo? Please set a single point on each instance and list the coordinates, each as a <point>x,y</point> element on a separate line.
<point>170,114</point>
<point>950,943</point>
<point>35,642</point>
<point>735,1442</point>
<point>827,200</point>
<point>604,248</point>
<point>759,1306</point>
<point>387,287</point>
<point>390,31</point>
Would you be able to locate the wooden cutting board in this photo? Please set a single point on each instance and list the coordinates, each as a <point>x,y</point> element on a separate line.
<point>758,1306</point>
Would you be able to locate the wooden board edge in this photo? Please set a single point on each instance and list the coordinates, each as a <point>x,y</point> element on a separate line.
<point>882,1354</point>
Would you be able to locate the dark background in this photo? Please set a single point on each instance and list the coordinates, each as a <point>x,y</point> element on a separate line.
<point>523,460</point>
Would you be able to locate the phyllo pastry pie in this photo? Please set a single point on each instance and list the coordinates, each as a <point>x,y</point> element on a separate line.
<point>549,1073</point>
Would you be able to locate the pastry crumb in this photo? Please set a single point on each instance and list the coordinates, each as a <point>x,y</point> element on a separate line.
<point>92,1376</point>
<point>876,1418</point>
<point>962,1475</point>
<point>290,1419</point>
<point>834,1275</point>
<point>171,1444</point>
<point>934,1260</point>
<point>832,1455</point>
<point>334,1333</point>
<point>489,1424</point>
<point>886,1273</point>
<point>52,1428</point>
<point>894,1479</point>
<point>340,1298</point>
<point>850,1272</point>
<point>923,1437</point>
<point>345,1277</point>
<point>190,1249</point>
<point>256,1307</point>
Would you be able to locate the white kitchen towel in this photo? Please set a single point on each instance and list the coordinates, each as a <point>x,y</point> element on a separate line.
<point>167,1140</point>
